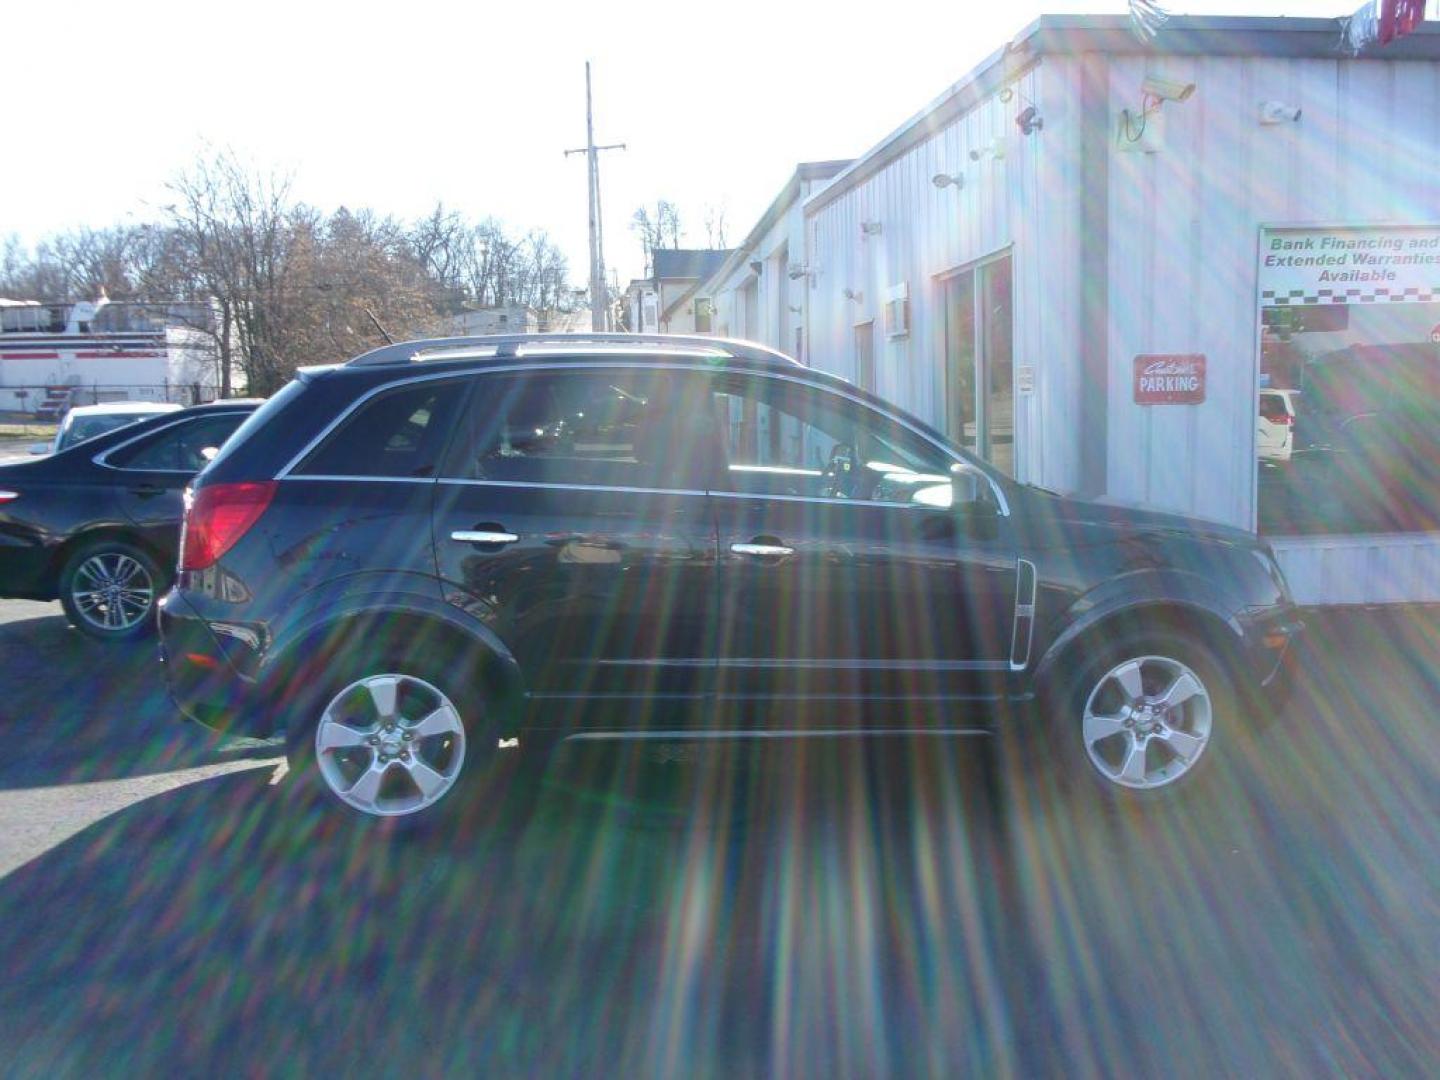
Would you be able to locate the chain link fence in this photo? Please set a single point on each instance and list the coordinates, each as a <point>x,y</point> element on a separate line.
<point>48,402</point>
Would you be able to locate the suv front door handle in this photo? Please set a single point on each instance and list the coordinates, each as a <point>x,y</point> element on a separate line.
<point>484,536</point>
<point>759,550</point>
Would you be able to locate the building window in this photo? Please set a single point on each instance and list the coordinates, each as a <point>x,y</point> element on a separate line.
<point>704,310</point>
<point>865,356</point>
<point>1348,417</point>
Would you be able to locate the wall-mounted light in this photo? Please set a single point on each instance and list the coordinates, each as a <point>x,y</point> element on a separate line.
<point>870,228</point>
<point>944,180</point>
<point>795,271</point>
<point>995,149</point>
<point>1277,112</point>
<point>756,265</point>
<point>853,294</point>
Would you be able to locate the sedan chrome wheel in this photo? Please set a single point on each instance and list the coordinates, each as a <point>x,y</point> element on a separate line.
<point>390,745</point>
<point>1147,722</point>
<point>112,591</point>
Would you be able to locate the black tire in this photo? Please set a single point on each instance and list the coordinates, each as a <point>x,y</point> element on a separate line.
<point>109,589</point>
<point>482,773</point>
<point>1135,751</point>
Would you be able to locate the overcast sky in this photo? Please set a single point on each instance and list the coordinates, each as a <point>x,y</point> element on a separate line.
<point>393,106</point>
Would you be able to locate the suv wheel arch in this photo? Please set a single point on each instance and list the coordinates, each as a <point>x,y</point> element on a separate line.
<point>1095,632</point>
<point>299,665</point>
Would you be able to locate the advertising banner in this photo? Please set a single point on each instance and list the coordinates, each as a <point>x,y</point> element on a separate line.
<point>1349,266</point>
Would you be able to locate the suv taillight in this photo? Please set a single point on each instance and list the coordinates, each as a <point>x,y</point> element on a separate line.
<point>216,517</point>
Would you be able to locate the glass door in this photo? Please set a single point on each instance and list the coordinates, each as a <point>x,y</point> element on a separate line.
<point>980,362</point>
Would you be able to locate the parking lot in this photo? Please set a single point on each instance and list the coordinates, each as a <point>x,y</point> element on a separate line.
<point>816,909</point>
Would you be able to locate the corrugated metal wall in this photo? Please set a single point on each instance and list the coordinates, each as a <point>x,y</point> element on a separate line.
<point>1025,200</point>
<point>1183,231</point>
<point>1184,228</point>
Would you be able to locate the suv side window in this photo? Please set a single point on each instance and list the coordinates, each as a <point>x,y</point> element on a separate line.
<point>177,448</point>
<point>782,438</point>
<point>611,427</point>
<point>399,432</point>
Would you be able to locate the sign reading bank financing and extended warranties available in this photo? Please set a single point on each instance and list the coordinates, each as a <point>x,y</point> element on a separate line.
<point>1349,265</point>
<point>1170,379</point>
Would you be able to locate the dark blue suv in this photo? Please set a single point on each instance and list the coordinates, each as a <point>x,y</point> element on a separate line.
<point>446,553</point>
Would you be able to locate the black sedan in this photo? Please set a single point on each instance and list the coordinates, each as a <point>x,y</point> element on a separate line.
<point>97,526</point>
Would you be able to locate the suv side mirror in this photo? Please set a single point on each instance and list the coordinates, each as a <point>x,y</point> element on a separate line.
<point>970,491</point>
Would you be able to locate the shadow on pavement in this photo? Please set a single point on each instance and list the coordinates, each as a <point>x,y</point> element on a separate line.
<point>74,710</point>
<point>824,909</point>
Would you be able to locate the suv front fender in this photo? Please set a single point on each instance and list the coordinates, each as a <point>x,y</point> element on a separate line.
<point>1172,600</point>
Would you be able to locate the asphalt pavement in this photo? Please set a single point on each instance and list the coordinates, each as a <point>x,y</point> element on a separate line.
<point>813,909</point>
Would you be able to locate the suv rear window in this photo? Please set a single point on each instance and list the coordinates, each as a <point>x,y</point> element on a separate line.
<point>397,433</point>
<point>1272,407</point>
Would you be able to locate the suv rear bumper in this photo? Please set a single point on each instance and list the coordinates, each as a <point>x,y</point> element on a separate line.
<point>203,681</point>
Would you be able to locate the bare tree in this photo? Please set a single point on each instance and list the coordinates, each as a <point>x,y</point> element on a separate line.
<point>658,227</point>
<point>444,247</point>
<point>275,284</point>
<point>239,234</point>
<point>715,226</point>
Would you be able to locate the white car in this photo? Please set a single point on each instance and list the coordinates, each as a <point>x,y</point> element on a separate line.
<point>86,421</point>
<point>1275,434</point>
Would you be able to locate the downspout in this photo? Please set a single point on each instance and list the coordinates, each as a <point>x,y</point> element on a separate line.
<point>1093,435</point>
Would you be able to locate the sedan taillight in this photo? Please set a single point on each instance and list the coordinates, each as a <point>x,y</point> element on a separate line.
<point>216,517</point>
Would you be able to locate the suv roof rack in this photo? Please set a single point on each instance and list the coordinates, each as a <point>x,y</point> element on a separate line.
<point>508,346</point>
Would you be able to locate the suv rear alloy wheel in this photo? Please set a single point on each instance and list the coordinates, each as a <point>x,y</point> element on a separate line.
<point>379,759</point>
<point>389,739</point>
<point>108,590</point>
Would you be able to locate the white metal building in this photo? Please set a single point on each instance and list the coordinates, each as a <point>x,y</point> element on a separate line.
<point>759,291</point>
<point>1086,258</point>
<point>84,353</point>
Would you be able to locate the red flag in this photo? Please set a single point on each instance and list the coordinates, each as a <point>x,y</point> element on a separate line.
<point>1398,18</point>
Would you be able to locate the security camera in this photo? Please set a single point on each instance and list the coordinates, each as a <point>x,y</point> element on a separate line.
<point>944,180</point>
<point>1277,112</point>
<point>795,271</point>
<point>1166,89</point>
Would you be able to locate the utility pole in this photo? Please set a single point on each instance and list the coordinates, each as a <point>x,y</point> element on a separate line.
<point>599,309</point>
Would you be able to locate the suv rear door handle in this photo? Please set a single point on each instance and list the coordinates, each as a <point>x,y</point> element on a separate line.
<point>759,550</point>
<point>483,536</point>
<point>147,491</point>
